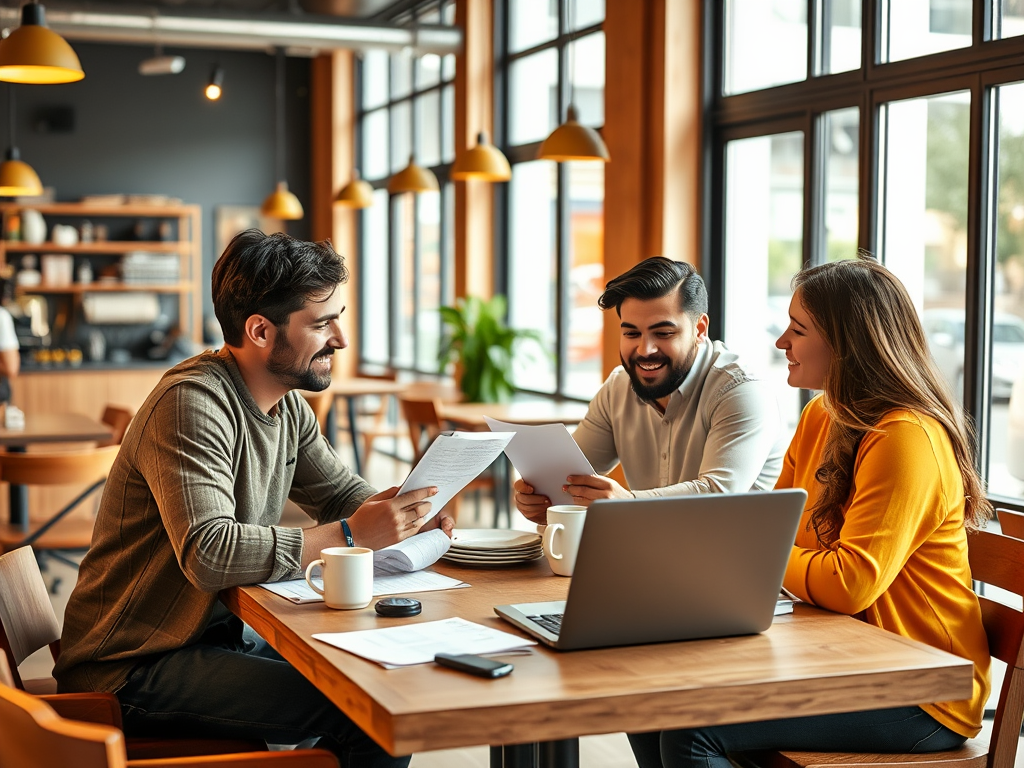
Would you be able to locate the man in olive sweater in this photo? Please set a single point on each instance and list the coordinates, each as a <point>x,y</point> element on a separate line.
<point>192,506</point>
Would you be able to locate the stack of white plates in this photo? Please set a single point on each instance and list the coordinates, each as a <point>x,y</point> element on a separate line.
<point>493,546</point>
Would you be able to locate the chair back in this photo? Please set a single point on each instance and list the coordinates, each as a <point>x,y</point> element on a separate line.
<point>118,419</point>
<point>1011,523</point>
<point>999,561</point>
<point>27,620</point>
<point>321,403</point>
<point>89,465</point>
<point>32,734</point>
<point>424,423</point>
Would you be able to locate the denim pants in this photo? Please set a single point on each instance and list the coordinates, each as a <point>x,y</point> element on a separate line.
<point>231,684</point>
<point>905,729</point>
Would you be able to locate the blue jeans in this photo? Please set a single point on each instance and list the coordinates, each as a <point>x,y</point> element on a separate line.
<point>905,729</point>
<point>233,685</point>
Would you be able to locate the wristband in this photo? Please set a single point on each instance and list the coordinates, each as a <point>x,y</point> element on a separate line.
<point>348,533</point>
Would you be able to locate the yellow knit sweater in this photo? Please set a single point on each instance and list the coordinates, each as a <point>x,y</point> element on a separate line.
<point>901,559</point>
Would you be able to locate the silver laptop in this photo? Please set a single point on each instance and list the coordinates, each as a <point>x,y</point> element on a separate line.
<point>657,570</point>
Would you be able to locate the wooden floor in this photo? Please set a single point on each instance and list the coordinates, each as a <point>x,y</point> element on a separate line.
<point>606,751</point>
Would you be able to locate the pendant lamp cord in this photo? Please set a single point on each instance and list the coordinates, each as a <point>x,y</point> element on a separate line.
<point>570,20</point>
<point>279,109</point>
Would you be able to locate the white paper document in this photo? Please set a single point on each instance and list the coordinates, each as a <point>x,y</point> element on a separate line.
<point>298,591</point>
<point>452,461</point>
<point>417,643</point>
<point>544,456</point>
<point>412,554</point>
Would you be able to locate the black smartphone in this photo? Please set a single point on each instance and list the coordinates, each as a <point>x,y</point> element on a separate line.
<point>474,665</point>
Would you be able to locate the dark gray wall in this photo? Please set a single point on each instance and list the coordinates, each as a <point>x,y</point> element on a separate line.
<point>160,135</point>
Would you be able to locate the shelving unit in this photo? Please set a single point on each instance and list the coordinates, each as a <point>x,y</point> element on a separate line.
<point>187,247</point>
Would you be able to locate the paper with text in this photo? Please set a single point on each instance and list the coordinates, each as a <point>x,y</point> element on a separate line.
<point>452,461</point>
<point>418,643</point>
<point>298,591</point>
<point>411,554</point>
<point>544,456</point>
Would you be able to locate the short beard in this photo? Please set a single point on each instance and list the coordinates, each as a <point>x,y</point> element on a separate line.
<point>280,364</point>
<point>677,373</point>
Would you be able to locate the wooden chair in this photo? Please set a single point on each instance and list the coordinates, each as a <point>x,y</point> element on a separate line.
<point>377,419</point>
<point>424,426</point>
<point>321,403</point>
<point>1011,523</point>
<point>33,735</point>
<point>999,561</point>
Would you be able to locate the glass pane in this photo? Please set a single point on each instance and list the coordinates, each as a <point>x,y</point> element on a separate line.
<point>841,132</point>
<point>428,124</point>
<point>587,13</point>
<point>373,279</point>
<point>1006,443</point>
<point>428,70</point>
<point>920,27</point>
<point>533,102</point>
<point>401,74</point>
<point>1009,18</point>
<point>766,43</point>
<point>375,79</point>
<point>763,250</point>
<point>586,277</point>
<point>401,139</point>
<point>448,286</point>
<point>448,68</point>
<point>924,235</point>
<point>531,22</point>
<point>588,78</point>
<point>533,276</point>
<point>428,216</point>
<point>842,22</point>
<point>375,145</point>
<point>405,293</point>
<point>448,124</point>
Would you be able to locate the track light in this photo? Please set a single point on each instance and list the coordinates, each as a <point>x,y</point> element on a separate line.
<point>158,64</point>
<point>213,89</point>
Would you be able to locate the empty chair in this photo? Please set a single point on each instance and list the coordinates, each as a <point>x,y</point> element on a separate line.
<point>999,561</point>
<point>1012,523</point>
<point>376,423</point>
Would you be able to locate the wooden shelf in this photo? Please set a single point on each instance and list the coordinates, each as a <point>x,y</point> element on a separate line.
<point>107,288</point>
<point>84,210</point>
<point>106,247</point>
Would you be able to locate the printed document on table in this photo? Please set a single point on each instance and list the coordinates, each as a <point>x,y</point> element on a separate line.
<point>412,554</point>
<point>544,456</point>
<point>418,643</point>
<point>452,461</point>
<point>298,591</point>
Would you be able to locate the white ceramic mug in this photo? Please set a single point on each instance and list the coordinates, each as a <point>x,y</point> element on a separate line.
<point>561,538</point>
<point>347,574</point>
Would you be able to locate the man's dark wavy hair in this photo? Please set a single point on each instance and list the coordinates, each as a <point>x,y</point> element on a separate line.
<point>271,275</point>
<point>656,277</point>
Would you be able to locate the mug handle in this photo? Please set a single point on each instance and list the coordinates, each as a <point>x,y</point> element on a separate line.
<point>309,575</point>
<point>549,537</point>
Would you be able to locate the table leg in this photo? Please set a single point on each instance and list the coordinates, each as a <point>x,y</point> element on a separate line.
<point>331,426</point>
<point>18,498</point>
<point>514,756</point>
<point>563,753</point>
<point>353,432</point>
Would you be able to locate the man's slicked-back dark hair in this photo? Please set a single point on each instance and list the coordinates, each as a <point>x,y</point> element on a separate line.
<point>271,275</point>
<point>656,277</point>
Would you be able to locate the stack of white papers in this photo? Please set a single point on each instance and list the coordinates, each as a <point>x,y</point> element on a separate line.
<point>410,644</point>
<point>412,554</point>
<point>298,591</point>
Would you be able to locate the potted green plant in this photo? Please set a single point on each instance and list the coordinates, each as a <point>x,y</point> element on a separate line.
<point>482,347</point>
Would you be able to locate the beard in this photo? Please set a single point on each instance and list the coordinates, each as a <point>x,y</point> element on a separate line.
<point>677,372</point>
<point>283,364</point>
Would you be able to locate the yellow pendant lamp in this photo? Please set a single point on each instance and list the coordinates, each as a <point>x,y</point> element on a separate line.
<point>484,162</point>
<point>16,177</point>
<point>280,204</point>
<point>34,53</point>
<point>356,194</point>
<point>413,178</point>
<point>573,141</point>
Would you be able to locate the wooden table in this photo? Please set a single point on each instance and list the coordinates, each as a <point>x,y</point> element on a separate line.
<point>46,428</point>
<point>811,662</point>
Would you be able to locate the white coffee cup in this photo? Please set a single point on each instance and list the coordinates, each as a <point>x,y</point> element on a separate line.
<point>561,539</point>
<point>347,574</point>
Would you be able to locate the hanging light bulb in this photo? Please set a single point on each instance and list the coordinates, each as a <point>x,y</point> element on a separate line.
<point>573,141</point>
<point>34,53</point>
<point>214,88</point>
<point>17,178</point>
<point>484,162</point>
<point>413,178</point>
<point>280,204</point>
<point>356,194</point>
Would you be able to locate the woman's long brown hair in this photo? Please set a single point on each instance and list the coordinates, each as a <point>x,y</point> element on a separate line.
<point>880,363</point>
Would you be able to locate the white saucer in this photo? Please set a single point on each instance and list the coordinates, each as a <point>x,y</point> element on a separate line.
<point>492,539</point>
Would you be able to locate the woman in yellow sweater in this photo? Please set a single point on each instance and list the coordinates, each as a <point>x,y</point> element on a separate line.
<point>887,461</point>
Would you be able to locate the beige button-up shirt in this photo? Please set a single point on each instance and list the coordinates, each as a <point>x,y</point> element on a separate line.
<point>721,431</point>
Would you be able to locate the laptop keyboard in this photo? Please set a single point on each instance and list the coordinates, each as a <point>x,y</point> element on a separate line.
<point>552,622</point>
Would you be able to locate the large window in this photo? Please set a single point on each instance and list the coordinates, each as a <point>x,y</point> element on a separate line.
<point>406,110</point>
<point>554,244</point>
<point>908,98</point>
